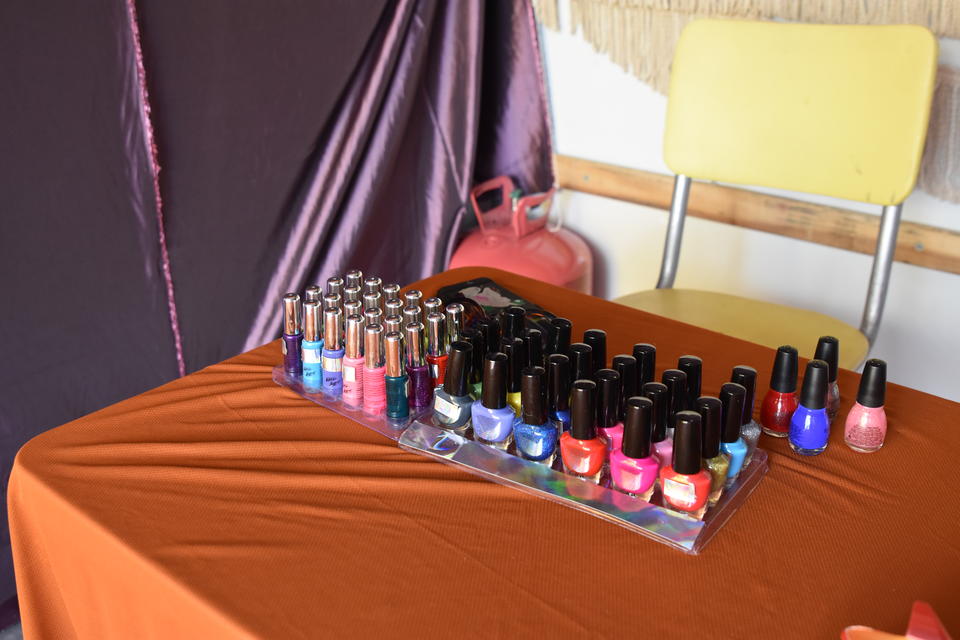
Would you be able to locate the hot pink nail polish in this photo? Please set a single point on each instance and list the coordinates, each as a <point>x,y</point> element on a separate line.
<point>866,426</point>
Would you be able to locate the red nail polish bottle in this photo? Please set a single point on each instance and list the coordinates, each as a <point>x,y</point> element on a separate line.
<point>685,486</point>
<point>781,400</point>
<point>582,451</point>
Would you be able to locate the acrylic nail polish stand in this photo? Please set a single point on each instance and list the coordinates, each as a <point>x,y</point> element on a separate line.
<point>420,434</point>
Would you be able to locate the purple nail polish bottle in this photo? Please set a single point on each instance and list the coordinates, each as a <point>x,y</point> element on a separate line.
<point>292,334</point>
<point>421,386</point>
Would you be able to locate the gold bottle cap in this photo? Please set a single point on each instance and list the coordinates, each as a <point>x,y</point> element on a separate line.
<point>413,344</point>
<point>312,293</point>
<point>311,321</point>
<point>351,294</point>
<point>394,347</point>
<point>332,328</point>
<point>291,314</point>
<point>353,347</point>
<point>391,291</point>
<point>436,334</point>
<point>331,301</point>
<point>335,285</point>
<point>372,346</point>
<point>354,278</point>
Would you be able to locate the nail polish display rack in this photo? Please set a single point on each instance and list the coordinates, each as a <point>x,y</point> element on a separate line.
<point>420,434</point>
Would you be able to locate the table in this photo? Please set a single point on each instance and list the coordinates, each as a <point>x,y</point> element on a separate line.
<point>223,506</point>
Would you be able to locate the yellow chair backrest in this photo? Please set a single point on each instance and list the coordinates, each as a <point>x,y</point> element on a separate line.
<point>828,109</point>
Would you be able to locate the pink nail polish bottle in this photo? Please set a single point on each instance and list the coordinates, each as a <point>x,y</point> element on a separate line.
<point>866,426</point>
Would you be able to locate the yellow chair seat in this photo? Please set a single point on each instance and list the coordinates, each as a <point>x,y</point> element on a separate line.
<point>764,323</point>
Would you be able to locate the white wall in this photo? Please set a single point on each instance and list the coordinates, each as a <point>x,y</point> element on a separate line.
<point>602,113</point>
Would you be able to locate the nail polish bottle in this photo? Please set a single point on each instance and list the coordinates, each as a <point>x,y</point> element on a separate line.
<point>312,348</point>
<point>292,334</point>
<point>657,393</point>
<point>634,467</point>
<point>516,360</point>
<point>395,378</point>
<point>561,328</point>
<point>732,396</point>
<point>372,284</point>
<point>828,350</point>
<point>609,426</point>
<point>676,383</point>
<point>749,428</point>
<point>512,322</point>
<point>581,361</point>
<point>646,355</point>
<point>333,352</point>
<point>433,305</point>
<point>558,390</point>
<point>476,368</point>
<point>582,451</point>
<point>866,425</point>
<point>626,366</point>
<point>534,434</point>
<point>335,285</point>
<point>313,293</point>
<point>454,313</point>
<point>597,339</point>
<point>452,403</point>
<point>492,416</point>
<point>684,484</point>
<point>533,340</point>
<point>353,278</point>
<point>374,387</point>
<point>421,386</point>
<point>810,425</point>
<point>437,347</point>
<point>781,399</point>
<point>353,362</point>
<point>692,366</point>
<point>714,461</point>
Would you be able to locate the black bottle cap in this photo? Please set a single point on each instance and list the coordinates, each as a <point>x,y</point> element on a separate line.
<point>532,405</point>
<point>597,339</point>
<point>493,394</point>
<point>873,383</point>
<point>511,322</point>
<point>747,377</point>
<point>560,335</point>
<point>581,361</point>
<point>490,330</point>
<point>686,443</point>
<point>636,427</point>
<point>828,350</point>
<point>693,367</point>
<point>608,398</point>
<point>646,355</point>
<point>784,378</point>
<point>583,412</point>
<point>534,341</point>
<point>558,382</point>
<point>731,397</point>
<point>517,359</point>
<point>676,382</point>
<point>659,395</point>
<point>476,344</point>
<point>458,368</point>
<point>814,392</point>
<point>709,409</point>
<point>626,366</point>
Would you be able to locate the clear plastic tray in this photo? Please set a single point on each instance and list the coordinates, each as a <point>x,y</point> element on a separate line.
<point>421,435</point>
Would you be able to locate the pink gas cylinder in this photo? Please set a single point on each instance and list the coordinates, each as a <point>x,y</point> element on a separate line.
<point>513,236</point>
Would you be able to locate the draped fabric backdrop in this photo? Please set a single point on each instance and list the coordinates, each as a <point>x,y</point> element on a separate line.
<point>640,36</point>
<point>168,168</point>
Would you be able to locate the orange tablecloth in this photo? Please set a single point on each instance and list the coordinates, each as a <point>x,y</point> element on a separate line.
<point>221,505</point>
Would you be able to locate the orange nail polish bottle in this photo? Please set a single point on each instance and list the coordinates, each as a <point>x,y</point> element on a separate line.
<point>582,451</point>
<point>684,484</point>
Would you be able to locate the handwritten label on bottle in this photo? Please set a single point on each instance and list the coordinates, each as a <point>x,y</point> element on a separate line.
<point>679,493</point>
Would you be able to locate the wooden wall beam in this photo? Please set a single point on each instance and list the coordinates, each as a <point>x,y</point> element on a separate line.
<point>918,244</point>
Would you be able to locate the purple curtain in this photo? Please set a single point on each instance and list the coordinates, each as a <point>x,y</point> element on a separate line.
<point>168,168</point>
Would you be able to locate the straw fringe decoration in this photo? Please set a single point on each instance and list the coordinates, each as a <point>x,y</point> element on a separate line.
<point>640,36</point>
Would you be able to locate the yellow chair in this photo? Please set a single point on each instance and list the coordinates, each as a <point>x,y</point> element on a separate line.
<point>834,110</point>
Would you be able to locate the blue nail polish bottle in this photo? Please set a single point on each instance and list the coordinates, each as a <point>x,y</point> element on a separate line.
<point>333,352</point>
<point>558,390</point>
<point>491,415</point>
<point>732,397</point>
<point>810,425</point>
<point>311,348</point>
<point>536,437</point>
